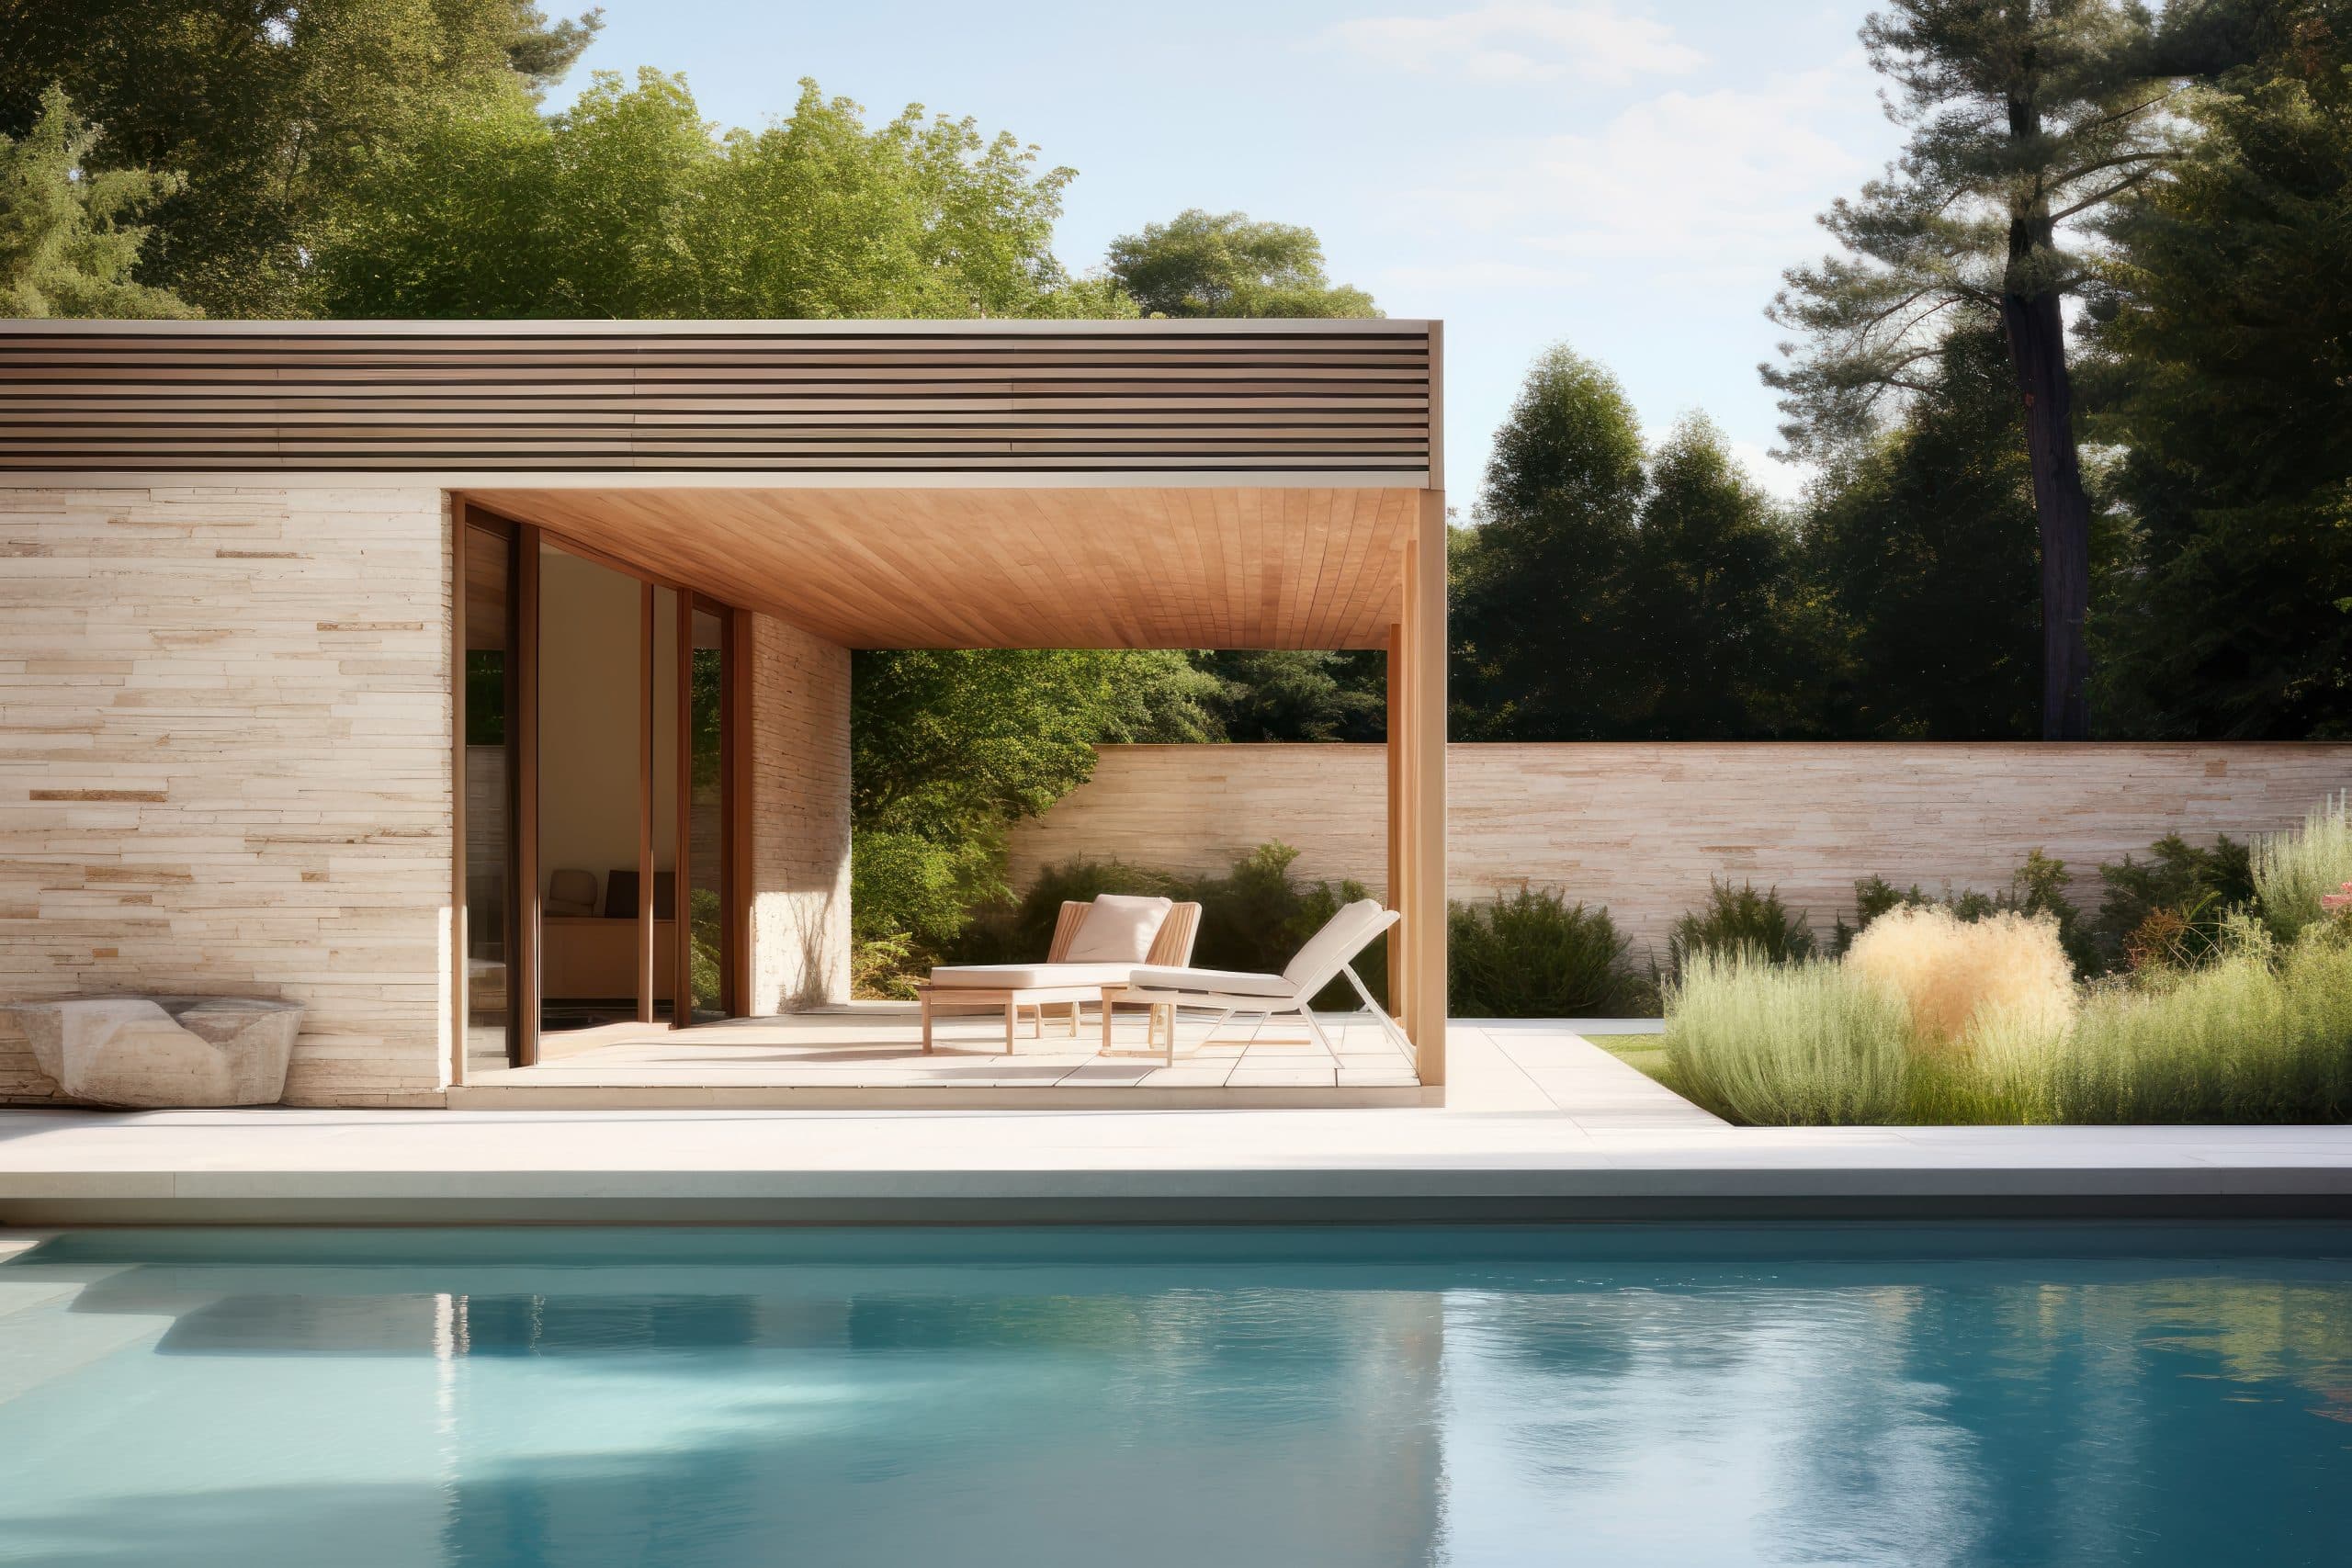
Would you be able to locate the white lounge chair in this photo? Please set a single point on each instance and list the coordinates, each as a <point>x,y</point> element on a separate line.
<point>1328,954</point>
<point>1080,966</point>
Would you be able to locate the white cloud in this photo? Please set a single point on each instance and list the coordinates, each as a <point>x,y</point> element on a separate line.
<point>1714,188</point>
<point>1520,41</point>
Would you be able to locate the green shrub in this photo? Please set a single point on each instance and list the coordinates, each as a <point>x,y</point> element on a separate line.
<point>2293,871</point>
<point>1536,955</point>
<point>1741,920</point>
<point>1808,1043</point>
<point>909,898</point>
<point>2167,911</point>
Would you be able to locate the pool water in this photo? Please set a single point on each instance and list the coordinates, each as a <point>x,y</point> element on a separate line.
<point>1852,1395</point>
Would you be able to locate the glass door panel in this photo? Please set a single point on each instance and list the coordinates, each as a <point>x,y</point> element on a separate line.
<point>591,680</point>
<point>707,845</point>
<point>492,905</point>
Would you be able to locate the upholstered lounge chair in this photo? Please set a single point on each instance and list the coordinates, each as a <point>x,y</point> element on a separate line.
<point>1329,954</point>
<point>1096,945</point>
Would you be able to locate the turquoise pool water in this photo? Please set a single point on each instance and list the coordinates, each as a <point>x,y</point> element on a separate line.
<point>1855,1395</point>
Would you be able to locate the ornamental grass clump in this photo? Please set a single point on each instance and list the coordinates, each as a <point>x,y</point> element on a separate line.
<point>2295,870</point>
<point>2254,1037</point>
<point>1949,971</point>
<point>1808,1044</point>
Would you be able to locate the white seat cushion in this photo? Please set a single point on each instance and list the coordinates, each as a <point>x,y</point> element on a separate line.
<point>1119,928</point>
<point>1028,976</point>
<point>1228,982</point>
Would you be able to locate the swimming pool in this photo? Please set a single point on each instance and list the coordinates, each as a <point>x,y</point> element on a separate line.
<point>1858,1394</point>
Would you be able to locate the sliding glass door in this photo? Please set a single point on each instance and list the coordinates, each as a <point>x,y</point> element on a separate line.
<point>594,773</point>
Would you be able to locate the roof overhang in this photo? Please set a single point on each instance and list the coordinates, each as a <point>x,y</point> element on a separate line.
<point>882,483</point>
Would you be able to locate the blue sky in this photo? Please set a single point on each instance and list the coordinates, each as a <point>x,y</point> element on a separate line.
<point>1628,177</point>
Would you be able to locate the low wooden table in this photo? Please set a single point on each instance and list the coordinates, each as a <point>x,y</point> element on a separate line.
<point>1012,999</point>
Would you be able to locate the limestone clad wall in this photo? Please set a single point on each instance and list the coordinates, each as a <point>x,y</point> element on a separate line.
<point>800,818</point>
<point>224,764</point>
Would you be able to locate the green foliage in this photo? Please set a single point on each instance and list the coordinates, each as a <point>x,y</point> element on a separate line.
<point>1741,922</point>
<point>66,246</point>
<point>2038,887</point>
<point>2293,871</point>
<point>2229,306</point>
<point>1610,593</point>
<point>1288,694</point>
<point>2168,908</point>
<point>2247,1038</point>
<point>1720,628</point>
<point>1801,1044</point>
<point>1537,586</point>
<point>949,748</point>
<point>273,111</point>
<point>1534,954</point>
<point>1922,544</point>
<point>629,205</point>
<point>1202,264</point>
<point>2019,115</point>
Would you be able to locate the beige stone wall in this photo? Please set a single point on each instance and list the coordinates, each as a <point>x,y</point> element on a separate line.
<point>224,764</point>
<point>1642,828</point>
<point>800,818</point>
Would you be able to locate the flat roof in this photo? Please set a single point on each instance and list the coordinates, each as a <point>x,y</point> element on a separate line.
<point>1357,402</point>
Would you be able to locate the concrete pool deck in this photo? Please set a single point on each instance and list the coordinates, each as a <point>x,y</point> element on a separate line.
<point>1539,1125</point>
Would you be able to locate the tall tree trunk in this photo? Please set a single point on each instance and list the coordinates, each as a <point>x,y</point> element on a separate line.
<point>2036,331</point>
<point>2037,339</point>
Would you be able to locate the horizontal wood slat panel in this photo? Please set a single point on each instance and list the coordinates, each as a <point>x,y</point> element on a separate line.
<point>1099,398</point>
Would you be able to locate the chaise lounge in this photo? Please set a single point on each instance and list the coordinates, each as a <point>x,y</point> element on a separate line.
<point>1329,954</point>
<point>1097,947</point>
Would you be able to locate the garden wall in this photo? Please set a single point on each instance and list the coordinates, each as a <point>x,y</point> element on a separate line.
<point>1642,828</point>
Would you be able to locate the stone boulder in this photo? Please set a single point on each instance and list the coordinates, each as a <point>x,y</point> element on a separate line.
<point>153,1052</point>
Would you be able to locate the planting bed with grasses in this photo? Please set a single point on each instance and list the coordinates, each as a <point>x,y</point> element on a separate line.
<point>2236,1011</point>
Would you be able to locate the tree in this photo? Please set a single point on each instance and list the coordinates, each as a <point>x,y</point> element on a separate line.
<point>2230,327</point>
<point>950,747</point>
<point>2027,119</point>
<point>271,109</point>
<point>1921,543</point>
<point>629,205</point>
<point>65,246</point>
<point>1202,264</point>
<point>1716,628</point>
<point>1539,616</point>
<point>1291,693</point>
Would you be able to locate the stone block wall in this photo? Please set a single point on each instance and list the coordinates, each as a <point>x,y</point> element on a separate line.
<point>800,818</point>
<point>224,764</point>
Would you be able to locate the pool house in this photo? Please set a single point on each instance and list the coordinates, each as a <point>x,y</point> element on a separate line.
<point>484,687</point>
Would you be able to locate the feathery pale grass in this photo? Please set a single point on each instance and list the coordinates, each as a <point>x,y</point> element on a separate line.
<point>1947,971</point>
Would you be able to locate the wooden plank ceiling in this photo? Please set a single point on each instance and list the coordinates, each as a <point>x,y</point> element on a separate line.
<point>1333,397</point>
<point>1140,566</point>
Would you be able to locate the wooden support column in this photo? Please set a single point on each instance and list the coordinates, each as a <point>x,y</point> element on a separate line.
<point>459,943</point>
<point>1399,720</point>
<point>645,803</point>
<point>1419,759</point>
